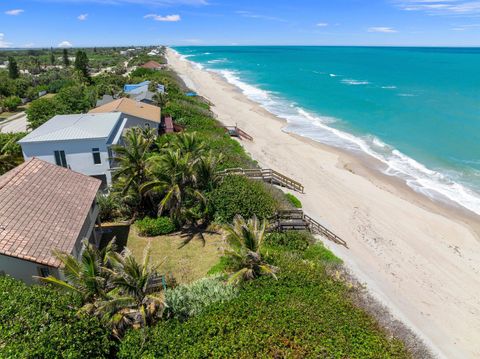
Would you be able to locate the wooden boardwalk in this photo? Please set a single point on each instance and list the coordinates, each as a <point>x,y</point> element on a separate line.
<point>266,175</point>
<point>297,220</point>
<point>234,131</point>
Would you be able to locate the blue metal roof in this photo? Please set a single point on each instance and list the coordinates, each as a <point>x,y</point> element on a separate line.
<point>130,87</point>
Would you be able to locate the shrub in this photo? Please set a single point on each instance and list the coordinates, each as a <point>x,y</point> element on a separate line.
<point>305,314</point>
<point>151,227</point>
<point>110,207</point>
<point>43,109</point>
<point>191,299</point>
<point>294,240</point>
<point>320,253</point>
<point>294,201</point>
<point>240,195</point>
<point>221,267</point>
<point>11,103</point>
<point>38,322</point>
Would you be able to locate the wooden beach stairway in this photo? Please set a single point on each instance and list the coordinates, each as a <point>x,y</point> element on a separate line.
<point>235,131</point>
<point>267,175</point>
<point>297,220</point>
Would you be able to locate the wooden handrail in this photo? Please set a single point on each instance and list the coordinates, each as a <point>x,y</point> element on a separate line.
<point>238,132</point>
<point>267,175</point>
<point>312,225</point>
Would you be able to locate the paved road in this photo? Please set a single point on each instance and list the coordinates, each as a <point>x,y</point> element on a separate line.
<point>15,123</point>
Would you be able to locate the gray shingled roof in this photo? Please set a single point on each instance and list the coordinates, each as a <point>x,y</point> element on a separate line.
<point>42,208</point>
<point>74,127</point>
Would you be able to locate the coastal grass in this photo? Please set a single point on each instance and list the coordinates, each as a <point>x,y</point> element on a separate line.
<point>187,263</point>
<point>307,312</point>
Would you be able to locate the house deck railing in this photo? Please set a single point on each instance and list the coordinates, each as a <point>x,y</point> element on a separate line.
<point>235,131</point>
<point>298,220</point>
<point>266,175</point>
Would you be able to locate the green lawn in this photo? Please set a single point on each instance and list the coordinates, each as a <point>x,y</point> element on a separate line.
<point>186,264</point>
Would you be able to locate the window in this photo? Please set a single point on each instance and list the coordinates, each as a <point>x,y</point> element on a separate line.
<point>43,272</point>
<point>60,158</point>
<point>96,156</point>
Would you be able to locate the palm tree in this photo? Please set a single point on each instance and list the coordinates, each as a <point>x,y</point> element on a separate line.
<point>136,300</point>
<point>87,276</point>
<point>207,171</point>
<point>245,239</point>
<point>188,143</point>
<point>175,179</point>
<point>160,99</point>
<point>132,159</point>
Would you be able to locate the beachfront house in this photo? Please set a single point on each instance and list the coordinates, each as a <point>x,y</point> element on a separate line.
<point>137,114</point>
<point>44,208</point>
<point>79,142</point>
<point>140,92</point>
<point>152,65</point>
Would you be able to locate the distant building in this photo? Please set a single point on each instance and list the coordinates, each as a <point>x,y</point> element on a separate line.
<point>130,87</point>
<point>80,142</point>
<point>140,92</point>
<point>138,114</point>
<point>44,208</point>
<point>152,65</point>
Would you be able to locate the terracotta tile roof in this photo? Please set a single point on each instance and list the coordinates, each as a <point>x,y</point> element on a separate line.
<point>151,65</point>
<point>43,207</point>
<point>131,107</point>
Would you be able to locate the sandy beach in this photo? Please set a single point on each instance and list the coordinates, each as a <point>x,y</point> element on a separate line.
<point>420,259</point>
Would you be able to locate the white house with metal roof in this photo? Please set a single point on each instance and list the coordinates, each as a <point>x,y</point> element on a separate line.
<point>79,142</point>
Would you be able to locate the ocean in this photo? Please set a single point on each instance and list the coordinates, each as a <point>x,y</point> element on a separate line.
<point>417,110</point>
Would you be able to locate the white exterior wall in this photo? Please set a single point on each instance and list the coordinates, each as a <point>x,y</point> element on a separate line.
<point>77,152</point>
<point>25,270</point>
<point>22,269</point>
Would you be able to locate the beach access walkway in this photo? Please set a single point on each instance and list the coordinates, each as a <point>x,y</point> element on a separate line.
<point>267,175</point>
<point>235,131</point>
<point>297,220</point>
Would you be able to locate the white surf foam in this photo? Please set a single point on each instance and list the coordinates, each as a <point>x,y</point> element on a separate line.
<point>431,183</point>
<point>389,87</point>
<point>353,82</point>
<point>217,61</point>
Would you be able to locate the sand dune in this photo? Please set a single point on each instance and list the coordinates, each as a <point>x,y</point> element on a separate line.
<point>420,259</point>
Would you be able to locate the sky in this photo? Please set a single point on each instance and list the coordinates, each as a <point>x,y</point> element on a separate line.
<point>78,23</point>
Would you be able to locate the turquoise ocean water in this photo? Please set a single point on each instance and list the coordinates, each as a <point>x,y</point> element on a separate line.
<point>415,109</point>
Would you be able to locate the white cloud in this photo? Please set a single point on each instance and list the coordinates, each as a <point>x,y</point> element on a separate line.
<point>385,30</point>
<point>29,45</point>
<point>167,18</point>
<point>65,44</point>
<point>14,12</point>
<point>3,43</point>
<point>82,17</point>
<point>441,7</point>
<point>322,24</point>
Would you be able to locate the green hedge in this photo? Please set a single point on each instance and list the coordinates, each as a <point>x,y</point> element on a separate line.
<point>294,201</point>
<point>39,322</point>
<point>188,300</point>
<point>296,240</point>
<point>240,195</point>
<point>151,227</point>
<point>305,314</point>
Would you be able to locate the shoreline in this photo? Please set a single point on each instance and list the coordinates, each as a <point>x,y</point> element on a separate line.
<point>409,250</point>
<point>363,165</point>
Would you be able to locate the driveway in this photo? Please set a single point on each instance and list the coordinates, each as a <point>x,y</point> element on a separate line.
<point>15,123</point>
